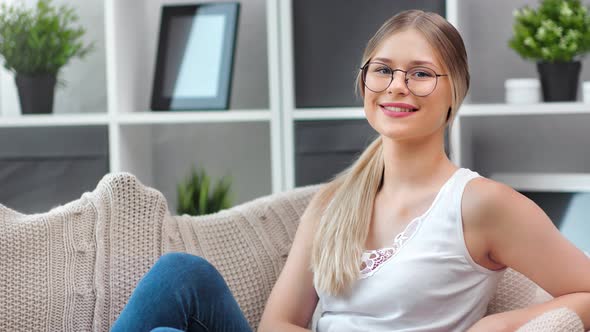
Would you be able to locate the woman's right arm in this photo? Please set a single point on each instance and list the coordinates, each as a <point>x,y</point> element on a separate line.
<point>293,299</point>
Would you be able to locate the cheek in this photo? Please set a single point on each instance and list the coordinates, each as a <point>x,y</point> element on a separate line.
<point>444,93</point>
<point>370,107</point>
<point>370,104</point>
<point>370,98</point>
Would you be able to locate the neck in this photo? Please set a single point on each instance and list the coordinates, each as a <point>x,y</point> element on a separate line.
<point>410,165</point>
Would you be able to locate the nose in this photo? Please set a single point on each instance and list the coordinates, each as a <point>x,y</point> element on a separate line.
<point>399,83</point>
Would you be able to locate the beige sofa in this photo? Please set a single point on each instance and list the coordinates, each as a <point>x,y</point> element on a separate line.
<point>74,267</point>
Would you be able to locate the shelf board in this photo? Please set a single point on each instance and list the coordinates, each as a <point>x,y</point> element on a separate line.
<point>52,120</point>
<point>546,182</point>
<point>556,108</point>
<point>344,113</point>
<point>163,117</point>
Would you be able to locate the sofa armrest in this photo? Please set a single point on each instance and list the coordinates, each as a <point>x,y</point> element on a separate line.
<point>556,320</point>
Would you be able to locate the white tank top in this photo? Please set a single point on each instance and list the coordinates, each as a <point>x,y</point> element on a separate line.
<point>426,281</point>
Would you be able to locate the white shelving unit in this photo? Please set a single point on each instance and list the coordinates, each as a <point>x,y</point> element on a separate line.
<point>347,113</point>
<point>144,118</point>
<point>254,140</point>
<point>532,148</point>
<point>466,136</point>
<point>562,108</point>
<point>161,147</point>
<point>52,120</point>
<point>545,182</point>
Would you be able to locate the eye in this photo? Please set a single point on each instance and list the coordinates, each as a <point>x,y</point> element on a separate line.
<point>382,70</point>
<point>421,73</point>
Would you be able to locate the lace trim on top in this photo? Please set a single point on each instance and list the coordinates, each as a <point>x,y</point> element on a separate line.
<point>371,260</point>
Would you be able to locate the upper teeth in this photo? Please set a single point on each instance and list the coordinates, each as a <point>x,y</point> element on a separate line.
<point>398,109</point>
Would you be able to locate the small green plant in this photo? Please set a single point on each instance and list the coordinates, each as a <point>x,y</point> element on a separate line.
<point>557,31</point>
<point>195,197</point>
<point>40,40</point>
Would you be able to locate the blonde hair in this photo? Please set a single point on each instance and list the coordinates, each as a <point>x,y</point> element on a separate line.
<point>344,225</point>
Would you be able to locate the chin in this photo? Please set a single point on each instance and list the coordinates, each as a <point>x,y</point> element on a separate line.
<point>389,133</point>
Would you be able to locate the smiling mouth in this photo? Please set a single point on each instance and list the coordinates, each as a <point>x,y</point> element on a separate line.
<point>399,109</point>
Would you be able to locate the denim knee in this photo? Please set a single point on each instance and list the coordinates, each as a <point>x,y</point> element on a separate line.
<point>183,264</point>
<point>182,258</point>
<point>165,329</point>
<point>172,259</point>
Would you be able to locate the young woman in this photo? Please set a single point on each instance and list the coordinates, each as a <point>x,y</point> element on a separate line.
<point>402,240</point>
<point>409,241</point>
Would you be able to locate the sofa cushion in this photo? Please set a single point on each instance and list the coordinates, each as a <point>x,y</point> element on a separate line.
<point>557,320</point>
<point>74,267</point>
<point>47,265</point>
<point>514,291</point>
<point>248,243</point>
<point>129,241</point>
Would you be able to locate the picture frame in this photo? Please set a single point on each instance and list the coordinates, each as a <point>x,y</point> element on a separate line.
<point>195,56</point>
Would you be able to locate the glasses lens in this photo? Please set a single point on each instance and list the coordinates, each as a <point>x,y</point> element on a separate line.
<point>421,81</point>
<point>377,77</point>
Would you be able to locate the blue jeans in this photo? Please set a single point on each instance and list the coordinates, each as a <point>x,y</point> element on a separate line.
<point>181,292</point>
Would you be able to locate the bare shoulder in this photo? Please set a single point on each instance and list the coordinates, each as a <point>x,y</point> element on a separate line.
<point>484,198</point>
<point>499,208</point>
<point>490,211</point>
<point>518,234</point>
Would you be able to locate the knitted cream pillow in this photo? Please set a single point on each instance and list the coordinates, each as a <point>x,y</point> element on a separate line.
<point>248,243</point>
<point>74,267</point>
<point>47,264</point>
<point>129,241</point>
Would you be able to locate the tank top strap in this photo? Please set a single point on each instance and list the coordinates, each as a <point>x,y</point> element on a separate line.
<point>462,179</point>
<point>458,189</point>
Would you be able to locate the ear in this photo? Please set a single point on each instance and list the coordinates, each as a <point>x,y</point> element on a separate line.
<point>448,114</point>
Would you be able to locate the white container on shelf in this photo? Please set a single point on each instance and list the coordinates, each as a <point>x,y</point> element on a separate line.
<point>522,91</point>
<point>586,91</point>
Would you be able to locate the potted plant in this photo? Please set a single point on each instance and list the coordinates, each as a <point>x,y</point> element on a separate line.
<point>195,197</point>
<point>35,44</point>
<point>555,35</point>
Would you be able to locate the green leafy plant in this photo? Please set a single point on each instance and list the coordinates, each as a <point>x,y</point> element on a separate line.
<point>195,197</point>
<point>557,31</point>
<point>40,40</point>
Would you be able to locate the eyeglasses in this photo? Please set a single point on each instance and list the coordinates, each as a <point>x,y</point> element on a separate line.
<point>421,81</point>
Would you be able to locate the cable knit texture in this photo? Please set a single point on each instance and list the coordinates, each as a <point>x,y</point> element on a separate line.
<point>47,269</point>
<point>556,320</point>
<point>129,237</point>
<point>514,291</point>
<point>74,267</point>
<point>248,244</point>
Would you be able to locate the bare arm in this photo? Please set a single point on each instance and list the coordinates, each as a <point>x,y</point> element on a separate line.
<point>521,236</point>
<point>293,299</point>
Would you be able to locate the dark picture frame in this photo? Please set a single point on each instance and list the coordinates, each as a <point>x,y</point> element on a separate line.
<point>195,56</point>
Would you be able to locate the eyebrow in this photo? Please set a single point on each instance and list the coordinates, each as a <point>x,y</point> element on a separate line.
<point>414,62</point>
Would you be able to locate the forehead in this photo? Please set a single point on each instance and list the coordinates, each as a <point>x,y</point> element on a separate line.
<point>407,47</point>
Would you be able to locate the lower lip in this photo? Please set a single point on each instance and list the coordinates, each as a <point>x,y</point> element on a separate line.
<point>396,114</point>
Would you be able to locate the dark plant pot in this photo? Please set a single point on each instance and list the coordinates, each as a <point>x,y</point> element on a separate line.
<point>36,93</point>
<point>559,80</point>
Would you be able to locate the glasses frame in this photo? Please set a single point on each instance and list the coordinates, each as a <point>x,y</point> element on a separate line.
<point>364,74</point>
